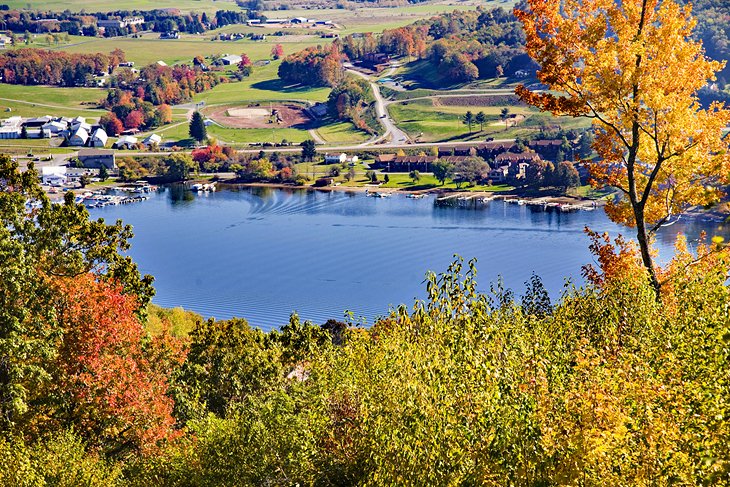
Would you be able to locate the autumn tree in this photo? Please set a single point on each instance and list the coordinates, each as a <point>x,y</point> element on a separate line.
<point>277,51</point>
<point>111,124</point>
<point>634,68</point>
<point>39,247</point>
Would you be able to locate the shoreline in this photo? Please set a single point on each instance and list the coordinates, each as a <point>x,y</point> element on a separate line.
<point>576,201</point>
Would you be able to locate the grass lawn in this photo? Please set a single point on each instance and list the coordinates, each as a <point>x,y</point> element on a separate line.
<point>341,133</point>
<point>443,123</point>
<point>28,101</point>
<point>149,48</point>
<point>263,85</point>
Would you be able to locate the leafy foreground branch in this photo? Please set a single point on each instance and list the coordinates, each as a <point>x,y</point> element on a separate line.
<point>607,386</point>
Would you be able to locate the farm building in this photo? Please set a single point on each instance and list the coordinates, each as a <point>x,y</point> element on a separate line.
<point>99,138</point>
<point>126,142</point>
<point>95,158</point>
<point>152,139</point>
<point>231,59</point>
<point>78,137</point>
<point>335,158</point>
<point>11,128</point>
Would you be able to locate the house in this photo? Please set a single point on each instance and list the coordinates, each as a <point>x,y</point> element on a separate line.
<point>513,158</point>
<point>518,170</point>
<point>54,175</point>
<point>152,139</point>
<point>11,128</point>
<point>231,59</point>
<point>298,20</point>
<point>335,158</point>
<point>547,149</point>
<point>161,63</point>
<point>170,35</point>
<point>78,137</point>
<point>99,138</point>
<point>111,23</point>
<point>95,158</point>
<point>411,163</point>
<point>499,175</point>
<point>126,142</point>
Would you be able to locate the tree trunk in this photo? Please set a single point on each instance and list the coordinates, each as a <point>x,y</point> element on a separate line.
<point>643,239</point>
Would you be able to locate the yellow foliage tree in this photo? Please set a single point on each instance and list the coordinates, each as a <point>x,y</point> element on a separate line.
<point>633,67</point>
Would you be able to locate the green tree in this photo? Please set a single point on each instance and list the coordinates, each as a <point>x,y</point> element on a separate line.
<point>468,119</point>
<point>197,127</point>
<point>103,173</point>
<point>179,167</point>
<point>54,241</point>
<point>504,116</point>
<point>566,176</point>
<point>442,171</point>
<point>415,176</point>
<point>309,150</point>
<point>480,119</point>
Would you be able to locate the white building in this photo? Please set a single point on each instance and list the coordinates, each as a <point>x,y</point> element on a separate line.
<point>54,128</point>
<point>99,138</point>
<point>54,175</point>
<point>335,158</point>
<point>231,59</point>
<point>152,139</point>
<point>11,128</point>
<point>79,137</point>
<point>126,142</point>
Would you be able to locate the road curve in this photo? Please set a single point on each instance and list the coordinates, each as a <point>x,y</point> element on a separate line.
<point>393,135</point>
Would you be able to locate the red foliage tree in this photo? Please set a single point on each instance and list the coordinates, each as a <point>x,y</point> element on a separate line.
<point>134,120</point>
<point>113,379</point>
<point>277,51</point>
<point>111,124</point>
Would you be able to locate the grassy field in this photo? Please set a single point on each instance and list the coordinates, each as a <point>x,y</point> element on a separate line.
<point>443,123</point>
<point>36,101</point>
<point>262,85</point>
<point>109,5</point>
<point>149,48</point>
<point>342,132</point>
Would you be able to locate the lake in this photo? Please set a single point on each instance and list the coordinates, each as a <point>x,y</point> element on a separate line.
<point>262,253</point>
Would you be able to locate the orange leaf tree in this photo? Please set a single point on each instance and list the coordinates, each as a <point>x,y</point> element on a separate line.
<point>633,68</point>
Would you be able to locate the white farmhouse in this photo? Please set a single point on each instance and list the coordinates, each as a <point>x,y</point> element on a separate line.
<point>126,142</point>
<point>335,158</point>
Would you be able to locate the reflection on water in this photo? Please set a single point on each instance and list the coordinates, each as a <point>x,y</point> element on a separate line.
<point>262,253</point>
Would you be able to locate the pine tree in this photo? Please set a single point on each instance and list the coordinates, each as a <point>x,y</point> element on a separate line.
<point>197,127</point>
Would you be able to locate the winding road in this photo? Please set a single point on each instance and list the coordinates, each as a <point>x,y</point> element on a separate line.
<point>392,135</point>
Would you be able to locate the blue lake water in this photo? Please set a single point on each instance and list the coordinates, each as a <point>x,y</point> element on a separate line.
<point>261,253</point>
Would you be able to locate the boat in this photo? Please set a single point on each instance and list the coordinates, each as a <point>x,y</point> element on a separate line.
<point>414,196</point>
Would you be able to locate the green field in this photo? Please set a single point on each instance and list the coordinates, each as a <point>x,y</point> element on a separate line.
<point>341,133</point>
<point>262,85</point>
<point>110,5</point>
<point>36,101</point>
<point>149,48</point>
<point>443,123</point>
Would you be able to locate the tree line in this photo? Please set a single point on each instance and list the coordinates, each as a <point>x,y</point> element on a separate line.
<point>28,66</point>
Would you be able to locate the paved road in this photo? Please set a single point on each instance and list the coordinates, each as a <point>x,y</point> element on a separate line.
<point>393,135</point>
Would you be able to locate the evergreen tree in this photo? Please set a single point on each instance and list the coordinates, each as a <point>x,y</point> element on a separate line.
<point>308,150</point>
<point>197,127</point>
<point>103,173</point>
